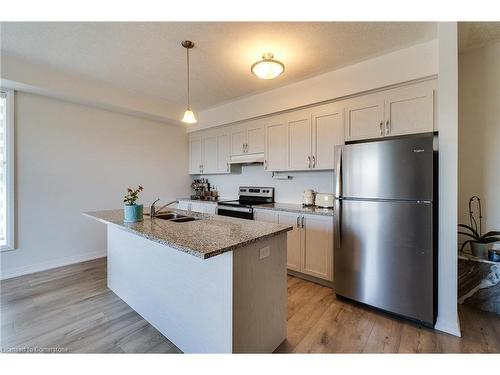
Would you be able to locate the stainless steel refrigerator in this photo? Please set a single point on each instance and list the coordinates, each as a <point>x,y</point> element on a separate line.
<point>386,225</point>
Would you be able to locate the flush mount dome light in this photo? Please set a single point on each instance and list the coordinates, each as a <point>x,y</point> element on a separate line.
<point>268,68</point>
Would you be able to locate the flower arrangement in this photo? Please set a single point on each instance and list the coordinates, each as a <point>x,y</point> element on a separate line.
<point>132,195</point>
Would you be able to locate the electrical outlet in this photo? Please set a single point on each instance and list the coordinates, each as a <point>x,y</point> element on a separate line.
<point>264,252</point>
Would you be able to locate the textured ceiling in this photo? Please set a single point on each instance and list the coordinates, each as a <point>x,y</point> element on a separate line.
<point>147,57</point>
<point>476,34</point>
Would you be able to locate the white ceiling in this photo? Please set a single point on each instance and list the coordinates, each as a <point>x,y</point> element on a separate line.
<point>146,57</point>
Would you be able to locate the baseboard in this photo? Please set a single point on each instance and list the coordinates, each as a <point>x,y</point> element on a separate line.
<point>313,279</point>
<point>44,266</point>
<point>451,327</point>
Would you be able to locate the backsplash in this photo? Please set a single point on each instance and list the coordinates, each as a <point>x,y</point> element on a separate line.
<point>286,191</point>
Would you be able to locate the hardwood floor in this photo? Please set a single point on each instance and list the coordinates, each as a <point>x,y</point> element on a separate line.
<point>70,309</point>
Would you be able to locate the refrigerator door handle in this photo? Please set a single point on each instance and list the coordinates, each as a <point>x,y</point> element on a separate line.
<point>338,222</point>
<point>338,171</point>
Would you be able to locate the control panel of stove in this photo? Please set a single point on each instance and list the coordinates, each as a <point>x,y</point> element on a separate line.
<point>248,191</point>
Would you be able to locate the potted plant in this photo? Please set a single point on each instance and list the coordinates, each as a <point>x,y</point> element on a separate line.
<point>132,212</point>
<point>479,242</point>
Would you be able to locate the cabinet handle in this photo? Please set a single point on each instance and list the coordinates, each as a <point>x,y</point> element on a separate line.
<point>381,128</point>
<point>314,161</point>
<point>298,217</point>
<point>387,127</point>
<point>302,221</point>
<point>265,164</point>
<point>309,162</point>
<point>246,148</point>
<point>200,168</point>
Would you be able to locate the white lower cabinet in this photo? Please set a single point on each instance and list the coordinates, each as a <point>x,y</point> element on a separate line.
<point>207,208</point>
<point>309,244</point>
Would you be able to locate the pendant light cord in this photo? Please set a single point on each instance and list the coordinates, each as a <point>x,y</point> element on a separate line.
<point>189,100</point>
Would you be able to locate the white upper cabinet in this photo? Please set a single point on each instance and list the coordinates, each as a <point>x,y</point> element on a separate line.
<point>327,123</point>
<point>238,140</point>
<point>365,118</point>
<point>276,144</point>
<point>399,111</point>
<point>209,153</point>
<point>305,139</point>
<point>255,137</point>
<point>223,151</point>
<point>409,110</point>
<point>195,155</point>
<point>247,138</point>
<point>298,127</point>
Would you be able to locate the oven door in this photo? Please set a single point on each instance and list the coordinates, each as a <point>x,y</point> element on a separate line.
<point>234,211</point>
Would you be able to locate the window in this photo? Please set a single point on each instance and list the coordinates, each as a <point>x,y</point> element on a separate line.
<point>6,170</point>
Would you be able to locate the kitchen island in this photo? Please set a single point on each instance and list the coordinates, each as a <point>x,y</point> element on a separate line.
<point>211,285</point>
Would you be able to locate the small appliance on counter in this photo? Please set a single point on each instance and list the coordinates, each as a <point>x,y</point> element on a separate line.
<point>308,198</point>
<point>203,190</point>
<point>324,200</point>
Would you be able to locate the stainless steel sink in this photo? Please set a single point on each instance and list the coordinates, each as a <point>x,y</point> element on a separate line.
<point>169,216</point>
<point>174,217</point>
<point>184,219</point>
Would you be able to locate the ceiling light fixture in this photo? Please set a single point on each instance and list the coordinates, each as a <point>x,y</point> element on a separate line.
<point>268,68</point>
<point>189,116</point>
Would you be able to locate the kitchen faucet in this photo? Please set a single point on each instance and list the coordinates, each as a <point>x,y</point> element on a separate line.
<point>153,211</point>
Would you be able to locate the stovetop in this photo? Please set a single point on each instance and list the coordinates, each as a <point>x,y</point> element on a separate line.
<point>251,196</point>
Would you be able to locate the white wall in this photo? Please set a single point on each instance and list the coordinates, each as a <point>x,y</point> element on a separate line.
<point>287,191</point>
<point>403,65</point>
<point>479,133</point>
<point>447,107</point>
<point>72,158</point>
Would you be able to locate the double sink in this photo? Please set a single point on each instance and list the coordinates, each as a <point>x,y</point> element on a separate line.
<point>175,217</point>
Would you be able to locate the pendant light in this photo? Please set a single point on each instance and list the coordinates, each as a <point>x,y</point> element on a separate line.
<point>268,68</point>
<point>189,116</point>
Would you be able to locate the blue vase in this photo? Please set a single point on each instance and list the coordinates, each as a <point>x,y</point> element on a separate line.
<point>132,213</point>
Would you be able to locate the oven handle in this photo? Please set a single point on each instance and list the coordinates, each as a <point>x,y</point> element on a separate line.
<point>237,209</point>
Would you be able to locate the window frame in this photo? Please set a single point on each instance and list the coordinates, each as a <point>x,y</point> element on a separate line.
<point>9,175</point>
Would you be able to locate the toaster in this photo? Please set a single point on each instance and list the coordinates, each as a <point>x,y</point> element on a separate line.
<point>324,200</point>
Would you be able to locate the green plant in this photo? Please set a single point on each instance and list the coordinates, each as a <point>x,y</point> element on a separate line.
<point>475,229</point>
<point>132,195</point>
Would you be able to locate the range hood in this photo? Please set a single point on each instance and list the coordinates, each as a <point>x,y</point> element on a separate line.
<point>247,158</point>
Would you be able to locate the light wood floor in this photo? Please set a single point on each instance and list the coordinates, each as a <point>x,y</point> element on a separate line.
<point>69,309</point>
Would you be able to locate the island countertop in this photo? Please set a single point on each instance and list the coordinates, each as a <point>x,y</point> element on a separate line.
<point>205,238</point>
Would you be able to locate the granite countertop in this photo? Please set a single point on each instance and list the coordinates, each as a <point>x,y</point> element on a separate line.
<point>203,201</point>
<point>297,208</point>
<point>288,207</point>
<point>211,236</point>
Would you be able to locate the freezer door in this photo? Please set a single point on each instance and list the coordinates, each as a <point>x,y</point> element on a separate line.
<point>384,256</point>
<point>389,169</point>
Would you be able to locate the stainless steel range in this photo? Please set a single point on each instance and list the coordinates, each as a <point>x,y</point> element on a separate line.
<point>249,196</point>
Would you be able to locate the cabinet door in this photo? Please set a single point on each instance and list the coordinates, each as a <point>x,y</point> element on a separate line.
<point>195,155</point>
<point>294,240</point>
<point>184,205</point>
<point>255,138</point>
<point>238,139</point>
<point>409,110</point>
<point>364,119</point>
<point>275,152</point>
<point>265,215</point>
<point>299,141</point>
<point>317,257</point>
<point>209,208</point>
<point>223,154</point>
<point>210,157</point>
<point>198,207</point>
<point>327,132</point>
